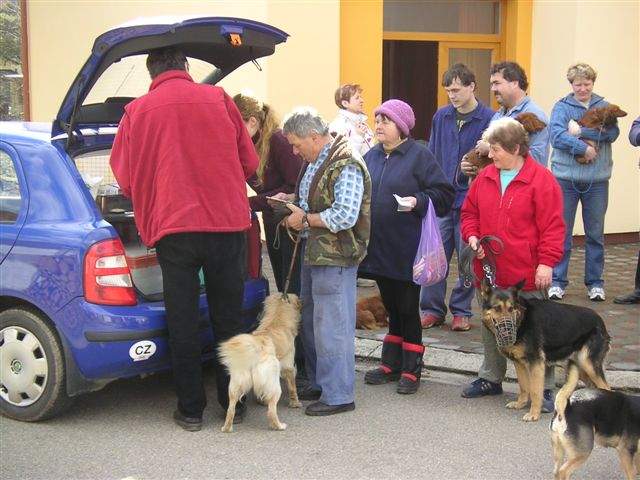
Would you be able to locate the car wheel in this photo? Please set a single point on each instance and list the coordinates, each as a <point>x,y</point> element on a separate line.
<point>32,371</point>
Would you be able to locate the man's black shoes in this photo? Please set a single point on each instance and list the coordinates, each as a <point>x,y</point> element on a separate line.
<point>190,424</point>
<point>319,409</point>
<point>631,299</point>
<point>309,393</point>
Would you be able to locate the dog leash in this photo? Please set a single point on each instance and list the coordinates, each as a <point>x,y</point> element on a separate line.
<point>296,245</point>
<point>456,178</point>
<point>488,262</point>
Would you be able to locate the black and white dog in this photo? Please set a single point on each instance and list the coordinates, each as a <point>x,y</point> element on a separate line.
<point>610,418</point>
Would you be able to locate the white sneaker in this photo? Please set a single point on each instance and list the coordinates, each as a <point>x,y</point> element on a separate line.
<point>556,293</point>
<point>596,294</point>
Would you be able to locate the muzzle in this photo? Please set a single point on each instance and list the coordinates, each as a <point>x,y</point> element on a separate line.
<point>506,329</point>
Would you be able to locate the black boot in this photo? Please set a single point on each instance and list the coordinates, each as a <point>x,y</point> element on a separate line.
<point>391,362</point>
<point>411,368</point>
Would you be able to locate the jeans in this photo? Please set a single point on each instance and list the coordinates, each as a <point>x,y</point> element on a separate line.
<point>223,260</point>
<point>328,329</point>
<point>432,298</point>
<point>494,364</point>
<point>280,259</point>
<point>594,198</point>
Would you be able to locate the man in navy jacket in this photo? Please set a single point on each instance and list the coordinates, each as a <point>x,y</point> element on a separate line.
<point>454,131</point>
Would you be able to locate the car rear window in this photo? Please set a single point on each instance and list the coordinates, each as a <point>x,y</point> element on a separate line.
<point>129,78</point>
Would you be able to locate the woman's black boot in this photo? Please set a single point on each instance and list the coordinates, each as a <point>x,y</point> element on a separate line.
<point>391,362</point>
<point>411,368</point>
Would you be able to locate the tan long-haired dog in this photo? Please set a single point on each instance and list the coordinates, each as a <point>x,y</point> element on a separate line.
<point>257,360</point>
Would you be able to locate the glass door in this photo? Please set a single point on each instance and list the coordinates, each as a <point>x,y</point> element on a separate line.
<point>478,57</point>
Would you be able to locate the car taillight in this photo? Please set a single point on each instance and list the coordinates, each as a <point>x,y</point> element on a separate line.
<point>107,278</point>
<point>254,249</point>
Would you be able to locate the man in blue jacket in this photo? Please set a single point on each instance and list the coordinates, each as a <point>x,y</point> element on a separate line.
<point>454,131</point>
<point>509,84</point>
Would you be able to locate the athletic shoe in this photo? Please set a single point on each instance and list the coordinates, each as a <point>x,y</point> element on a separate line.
<point>428,320</point>
<point>596,294</point>
<point>556,293</point>
<point>547,401</point>
<point>460,324</point>
<point>481,388</point>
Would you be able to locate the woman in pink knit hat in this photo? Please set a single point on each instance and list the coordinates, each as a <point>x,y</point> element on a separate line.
<point>399,165</point>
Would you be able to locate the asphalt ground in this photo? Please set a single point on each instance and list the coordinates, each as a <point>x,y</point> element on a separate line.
<point>126,431</point>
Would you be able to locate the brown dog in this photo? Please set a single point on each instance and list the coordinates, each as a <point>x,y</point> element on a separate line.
<point>530,122</point>
<point>599,118</point>
<point>602,117</point>
<point>371,314</point>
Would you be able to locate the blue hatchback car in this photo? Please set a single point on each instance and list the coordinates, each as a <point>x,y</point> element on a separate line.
<point>80,295</point>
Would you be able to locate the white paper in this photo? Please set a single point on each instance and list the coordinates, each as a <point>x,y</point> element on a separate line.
<point>404,205</point>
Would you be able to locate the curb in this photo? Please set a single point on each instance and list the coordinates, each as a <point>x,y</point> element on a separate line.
<point>469,363</point>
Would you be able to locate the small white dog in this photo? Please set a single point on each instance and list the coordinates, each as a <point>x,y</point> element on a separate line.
<point>257,360</point>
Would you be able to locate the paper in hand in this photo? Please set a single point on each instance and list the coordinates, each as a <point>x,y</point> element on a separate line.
<point>404,205</point>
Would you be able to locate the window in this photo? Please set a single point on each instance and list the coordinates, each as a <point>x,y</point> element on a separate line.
<point>10,198</point>
<point>130,78</point>
<point>448,16</point>
<point>12,101</point>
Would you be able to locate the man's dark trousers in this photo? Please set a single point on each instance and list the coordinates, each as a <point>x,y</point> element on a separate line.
<point>222,256</point>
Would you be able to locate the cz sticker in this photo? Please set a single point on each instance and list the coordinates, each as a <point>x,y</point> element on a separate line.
<point>142,350</point>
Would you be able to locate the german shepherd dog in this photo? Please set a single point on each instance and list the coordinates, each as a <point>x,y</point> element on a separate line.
<point>256,360</point>
<point>533,333</point>
<point>611,418</point>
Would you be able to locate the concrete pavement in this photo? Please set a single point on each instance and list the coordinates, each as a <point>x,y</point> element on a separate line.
<point>462,351</point>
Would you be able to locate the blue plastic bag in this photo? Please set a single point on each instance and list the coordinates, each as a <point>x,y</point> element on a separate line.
<point>430,265</point>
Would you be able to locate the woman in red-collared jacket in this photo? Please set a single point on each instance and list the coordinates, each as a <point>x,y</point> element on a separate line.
<point>519,201</point>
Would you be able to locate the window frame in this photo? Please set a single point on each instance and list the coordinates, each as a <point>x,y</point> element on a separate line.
<point>22,185</point>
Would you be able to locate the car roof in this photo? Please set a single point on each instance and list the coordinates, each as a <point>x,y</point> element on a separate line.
<point>38,131</point>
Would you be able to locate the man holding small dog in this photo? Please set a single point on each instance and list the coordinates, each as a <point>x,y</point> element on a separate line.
<point>509,85</point>
<point>333,198</point>
<point>195,220</point>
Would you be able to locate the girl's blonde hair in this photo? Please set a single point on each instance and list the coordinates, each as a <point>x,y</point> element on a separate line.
<point>267,125</point>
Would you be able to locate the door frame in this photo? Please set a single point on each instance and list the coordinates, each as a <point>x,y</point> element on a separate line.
<point>443,63</point>
<point>361,30</point>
